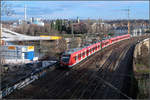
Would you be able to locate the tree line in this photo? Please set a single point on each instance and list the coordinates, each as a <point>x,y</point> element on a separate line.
<point>52,27</point>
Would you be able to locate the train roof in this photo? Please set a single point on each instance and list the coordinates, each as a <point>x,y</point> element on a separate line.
<point>70,51</point>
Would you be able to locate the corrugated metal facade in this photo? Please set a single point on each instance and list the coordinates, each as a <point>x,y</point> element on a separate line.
<point>17,52</point>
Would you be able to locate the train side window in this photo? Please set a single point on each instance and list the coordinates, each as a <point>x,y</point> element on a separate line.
<point>75,58</point>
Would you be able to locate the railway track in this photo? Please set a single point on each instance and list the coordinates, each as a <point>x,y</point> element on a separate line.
<point>103,71</point>
<point>107,77</point>
<point>82,81</point>
<point>83,74</point>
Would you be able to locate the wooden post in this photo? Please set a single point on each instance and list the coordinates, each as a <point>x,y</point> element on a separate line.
<point>72,29</point>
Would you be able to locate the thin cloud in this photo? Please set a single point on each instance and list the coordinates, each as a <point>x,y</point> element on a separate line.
<point>78,8</point>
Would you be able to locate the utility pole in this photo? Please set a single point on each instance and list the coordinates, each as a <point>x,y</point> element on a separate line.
<point>88,30</point>
<point>100,28</point>
<point>72,29</point>
<point>88,20</point>
<point>72,40</point>
<point>100,25</point>
<point>128,21</point>
<point>87,33</point>
<point>128,10</point>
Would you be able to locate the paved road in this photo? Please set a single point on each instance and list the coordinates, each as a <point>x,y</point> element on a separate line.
<point>9,35</point>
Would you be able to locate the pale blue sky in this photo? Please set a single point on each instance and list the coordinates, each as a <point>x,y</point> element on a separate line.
<point>82,9</point>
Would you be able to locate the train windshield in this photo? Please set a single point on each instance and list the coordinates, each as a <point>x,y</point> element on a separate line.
<point>65,58</point>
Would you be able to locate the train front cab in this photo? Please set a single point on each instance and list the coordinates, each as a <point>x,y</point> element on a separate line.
<point>65,60</point>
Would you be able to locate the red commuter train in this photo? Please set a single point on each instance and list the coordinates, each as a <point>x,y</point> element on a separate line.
<point>74,56</point>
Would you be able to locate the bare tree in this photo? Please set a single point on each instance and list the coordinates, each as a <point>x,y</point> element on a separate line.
<point>6,9</point>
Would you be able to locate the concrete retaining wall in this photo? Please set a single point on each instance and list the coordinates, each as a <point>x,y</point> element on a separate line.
<point>142,70</point>
<point>137,50</point>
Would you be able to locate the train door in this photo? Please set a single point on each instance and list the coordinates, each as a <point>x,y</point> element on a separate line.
<point>83,54</point>
<point>90,51</point>
<point>101,45</point>
<point>110,41</point>
<point>76,57</point>
<point>87,52</point>
<point>98,46</point>
<point>93,49</point>
<point>79,56</point>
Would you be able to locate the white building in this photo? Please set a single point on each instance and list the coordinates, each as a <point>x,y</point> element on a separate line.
<point>135,31</point>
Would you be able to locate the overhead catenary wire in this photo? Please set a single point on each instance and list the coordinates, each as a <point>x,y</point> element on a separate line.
<point>113,87</point>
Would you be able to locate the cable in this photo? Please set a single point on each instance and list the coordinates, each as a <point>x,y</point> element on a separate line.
<point>110,85</point>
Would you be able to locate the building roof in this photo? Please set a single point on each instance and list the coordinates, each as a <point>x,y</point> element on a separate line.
<point>131,27</point>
